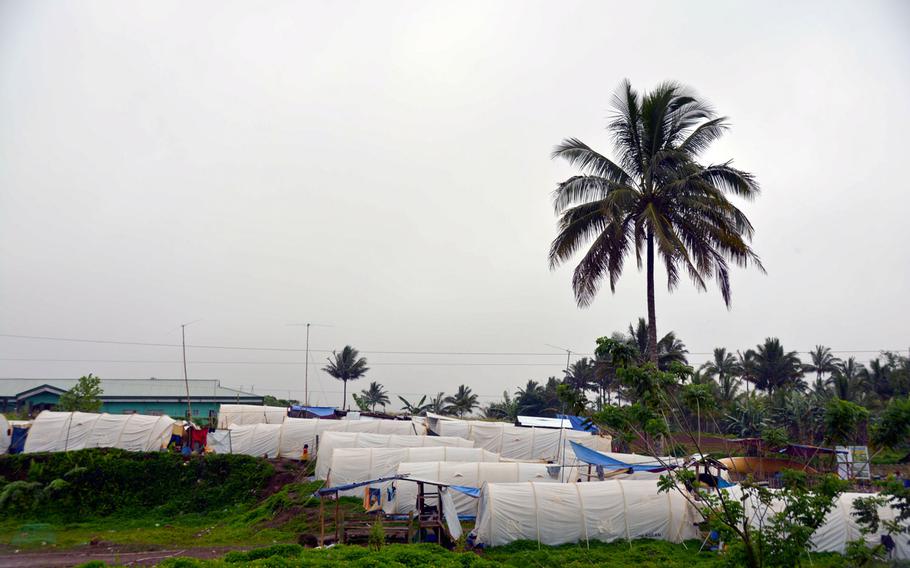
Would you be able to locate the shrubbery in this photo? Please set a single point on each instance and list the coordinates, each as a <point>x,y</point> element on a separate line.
<point>88,484</point>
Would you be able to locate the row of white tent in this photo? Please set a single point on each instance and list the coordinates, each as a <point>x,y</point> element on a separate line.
<point>517,442</point>
<point>289,438</point>
<point>553,514</point>
<point>66,431</point>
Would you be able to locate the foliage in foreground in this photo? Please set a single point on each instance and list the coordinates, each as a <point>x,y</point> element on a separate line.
<point>96,483</point>
<point>642,553</point>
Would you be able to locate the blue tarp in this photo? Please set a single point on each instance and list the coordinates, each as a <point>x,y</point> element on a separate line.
<point>321,411</point>
<point>579,423</point>
<point>593,457</point>
<point>17,442</point>
<point>469,491</point>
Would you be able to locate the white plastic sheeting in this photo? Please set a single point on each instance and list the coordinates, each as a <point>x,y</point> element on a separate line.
<point>5,434</point>
<point>241,414</point>
<point>354,465</point>
<point>64,431</point>
<point>261,440</point>
<point>840,525</point>
<point>471,474</point>
<point>298,432</point>
<point>559,513</point>
<point>518,443</point>
<point>329,441</point>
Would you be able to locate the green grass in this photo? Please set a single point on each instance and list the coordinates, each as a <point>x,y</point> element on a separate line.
<point>642,553</point>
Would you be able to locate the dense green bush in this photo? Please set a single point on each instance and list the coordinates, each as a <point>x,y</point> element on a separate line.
<point>100,482</point>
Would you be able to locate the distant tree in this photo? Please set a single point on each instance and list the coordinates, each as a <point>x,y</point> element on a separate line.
<point>506,409</point>
<point>438,405</point>
<point>414,409</point>
<point>346,366</point>
<point>772,368</point>
<point>748,417</point>
<point>878,377</point>
<point>892,427</point>
<point>847,379</point>
<point>462,402</point>
<point>83,397</point>
<point>655,200</point>
<point>822,362</point>
<point>842,421</point>
<point>724,369</point>
<point>670,349</point>
<point>374,395</point>
<point>580,375</point>
<point>269,400</point>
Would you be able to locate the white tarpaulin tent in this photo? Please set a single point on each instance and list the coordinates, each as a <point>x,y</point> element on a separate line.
<point>5,434</point>
<point>354,465</point>
<point>255,439</point>
<point>470,474</point>
<point>240,414</point>
<point>329,441</point>
<point>298,432</point>
<point>64,431</point>
<point>559,513</point>
<point>840,525</point>
<point>519,443</point>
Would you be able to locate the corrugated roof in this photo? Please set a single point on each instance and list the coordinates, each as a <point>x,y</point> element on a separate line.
<point>130,387</point>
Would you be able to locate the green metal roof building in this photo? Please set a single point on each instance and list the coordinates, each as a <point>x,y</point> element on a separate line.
<point>126,396</point>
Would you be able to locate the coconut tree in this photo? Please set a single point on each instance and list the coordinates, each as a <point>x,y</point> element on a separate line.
<point>670,348</point>
<point>847,379</point>
<point>822,362</point>
<point>462,402</point>
<point>725,370</point>
<point>438,404</point>
<point>580,375</point>
<point>374,395</point>
<point>654,198</point>
<point>346,366</point>
<point>772,368</point>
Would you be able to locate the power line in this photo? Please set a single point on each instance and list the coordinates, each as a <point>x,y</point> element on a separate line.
<point>367,351</point>
<point>149,361</point>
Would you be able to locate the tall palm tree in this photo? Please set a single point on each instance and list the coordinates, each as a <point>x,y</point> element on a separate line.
<point>374,395</point>
<point>822,362</point>
<point>725,370</point>
<point>462,402</point>
<point>848,379</point>
<point>773,368</point>
<point>745,362</point>
<point>580,375</point>
<point>655,198</point>
<point>346,366</point>
<point>670,349</point>
<point>878,377</point>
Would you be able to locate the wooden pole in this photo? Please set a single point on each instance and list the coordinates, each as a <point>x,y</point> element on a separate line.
<point>337,520</point>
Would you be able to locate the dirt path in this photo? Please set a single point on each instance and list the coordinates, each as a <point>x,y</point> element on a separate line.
<point>126,556</point>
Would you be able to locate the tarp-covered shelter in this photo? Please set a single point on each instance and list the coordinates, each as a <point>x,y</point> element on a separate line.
<point>519,443</point>
<point>6,434</point>
<point>261,440</point>
<point>353,465</point>
<point>560,513</point>
<point>294,437</point>
<point>470,474</point>
<point>840,526</point>
<point>331,440</point>
<point>64,431</point>
<point>241,414</point>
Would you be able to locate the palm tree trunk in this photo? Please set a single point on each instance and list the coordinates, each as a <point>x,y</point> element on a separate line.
<point>652,313</point>
<point>344,396</point>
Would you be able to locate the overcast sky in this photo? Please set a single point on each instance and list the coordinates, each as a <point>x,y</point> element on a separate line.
<point>383,168</point>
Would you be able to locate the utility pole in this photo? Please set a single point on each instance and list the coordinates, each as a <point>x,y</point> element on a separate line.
<point>306,369</point>
<point>186,380</point>
<point>561,447</point>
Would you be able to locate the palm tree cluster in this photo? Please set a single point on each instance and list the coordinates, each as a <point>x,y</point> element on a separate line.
<point>460,404</point>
